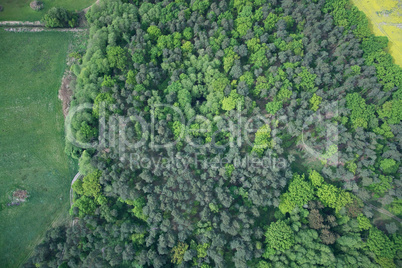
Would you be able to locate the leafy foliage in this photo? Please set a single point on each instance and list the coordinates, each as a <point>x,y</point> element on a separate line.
<point>383,186</point>
<point>90,184</point>
<point>333,197</point>
<point>361,113</point>
<point>300,191</point>
<point>315,102</point>
<point>279,236</point>
<point>261,140</point>
<point>84,163</point>
<point>364,223</point>
<point>389,165</point>
<point>206,200</point>
<point>58,17</point>
<point>178,253</point>
<point>380,244</point>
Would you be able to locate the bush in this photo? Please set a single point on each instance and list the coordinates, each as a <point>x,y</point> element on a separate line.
<point>389,166</point>
<point>36,5</point>
<point>58,17</point>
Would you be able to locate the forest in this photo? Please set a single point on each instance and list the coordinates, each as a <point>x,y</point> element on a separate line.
<point>232,134</point>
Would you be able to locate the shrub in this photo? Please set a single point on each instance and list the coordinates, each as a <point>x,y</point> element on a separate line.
<point>279,236</point>
<point>36,5</point>
<point>389,166</point>
<point>58,17</point>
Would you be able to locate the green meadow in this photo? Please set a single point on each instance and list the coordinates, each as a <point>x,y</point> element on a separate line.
<point>31,140</point>
<point>20,9</point>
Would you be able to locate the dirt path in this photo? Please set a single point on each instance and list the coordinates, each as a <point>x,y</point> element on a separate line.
<point>77,176</point>
<point>385,212</point>
<point>86,9</point>
<point>21,23</point>
<point>71,188</point>
<point>42,29</point>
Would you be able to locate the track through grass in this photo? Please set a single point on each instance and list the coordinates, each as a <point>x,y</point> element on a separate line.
<point>31,140</point>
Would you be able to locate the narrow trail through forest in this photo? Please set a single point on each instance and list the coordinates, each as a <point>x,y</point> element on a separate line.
<point>385,212</point>
<point>71,187</point>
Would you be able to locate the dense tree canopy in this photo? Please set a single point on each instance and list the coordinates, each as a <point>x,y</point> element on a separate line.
<point>246,94</point>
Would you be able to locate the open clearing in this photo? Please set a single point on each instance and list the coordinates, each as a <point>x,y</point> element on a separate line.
<point>20,9</point>
<point>31,140</point>
<point>385,17</point>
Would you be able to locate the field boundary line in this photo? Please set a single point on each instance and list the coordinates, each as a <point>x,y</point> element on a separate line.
<point>21,23</point>
<point>43,29</point>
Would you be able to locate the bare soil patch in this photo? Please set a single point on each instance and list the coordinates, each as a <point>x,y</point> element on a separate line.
<point>66,92</point>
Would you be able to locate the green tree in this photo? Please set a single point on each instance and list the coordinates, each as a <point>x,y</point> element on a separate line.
<point>244,21</point>
<point>102,98</point>
<point>384,130</point>
<point>188,33</point>
<point>383,186</point>
<point>131,78</point>
<point>263,264</point>
<point>380,244</point>
<point>77,187</point>
<point>108,81</point>
<point>392,110</point>
<point>117,57</point>
<point>233,100</point>
<point>356,69</point>
<point>360,112</point>
<point>396,207</point>
<point>229,169</point>
<point>300,191</point>
<point>333,197</point>
<point>86,206</point>
<point>351,166</point>
<point>59,17</point>
<point>273,106</point>
<point>138,205</point>
<point>279,236</point>
<point>91,185</point>
<point>307,80</point>
<point>228,60</point>
<point>315,102</point>
<point>315,178</point>
<point>389,165</point>
<point>187,47</point>
<point>154,32</point>
<point>84,163</point>
<point>262,139</point>
<point>270,21</point>
<point>364,223</point>
<point>202,250</point>
<point>178,252</point>
<point>214,208</point>
<point>86,132</point>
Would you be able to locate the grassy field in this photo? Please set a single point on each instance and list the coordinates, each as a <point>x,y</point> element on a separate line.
<point>385,17</point>
<point>20,9</point>
<point>31,140</point>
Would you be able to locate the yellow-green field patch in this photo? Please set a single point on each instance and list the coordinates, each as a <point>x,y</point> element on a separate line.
<point>385,17</point>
